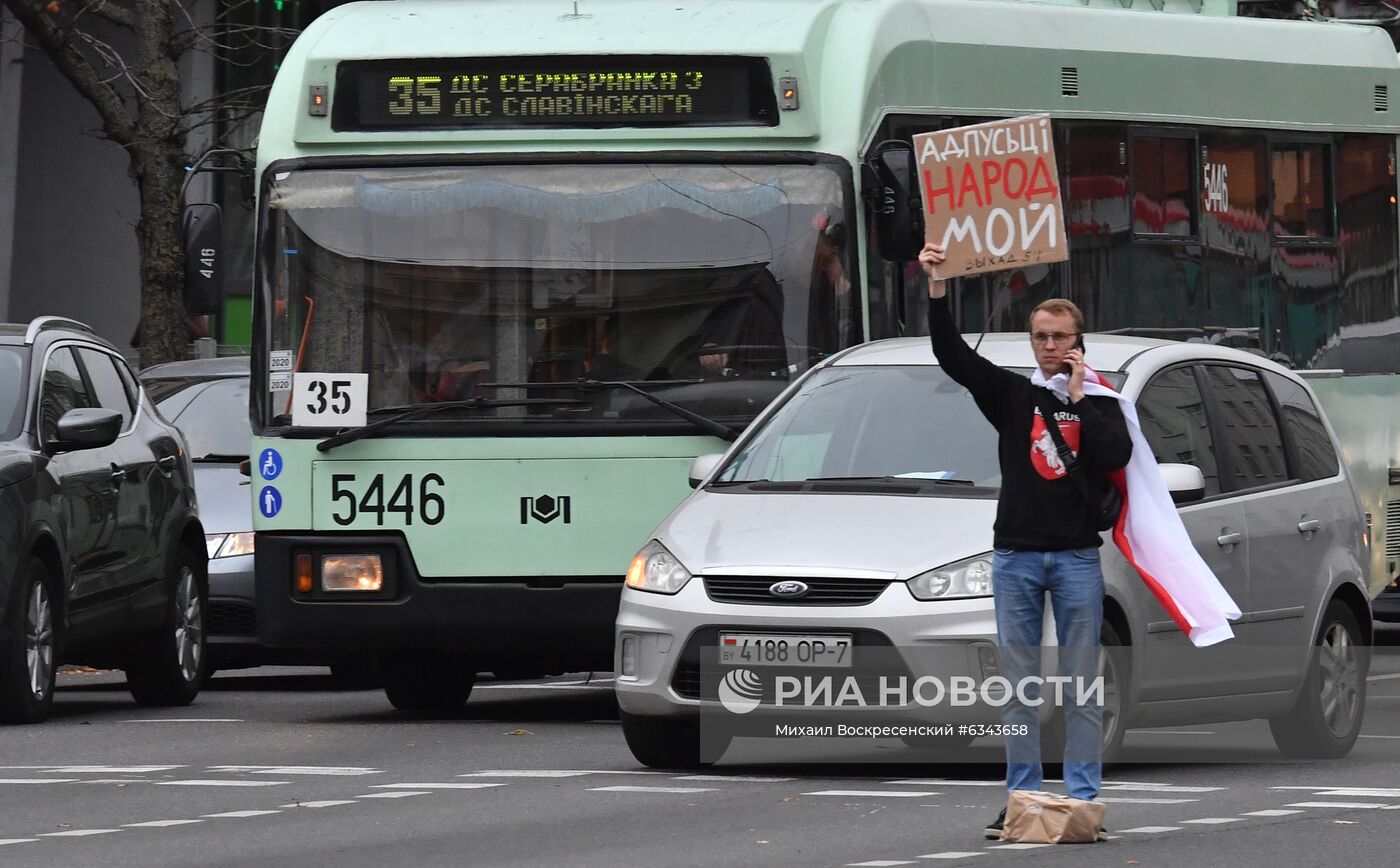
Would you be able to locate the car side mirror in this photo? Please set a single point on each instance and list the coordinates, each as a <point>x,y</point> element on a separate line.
<point>703,466</point>
<point>1185,482</point>
<point>85,428</point>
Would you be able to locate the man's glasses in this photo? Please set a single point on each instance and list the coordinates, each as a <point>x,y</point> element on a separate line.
<point>1056,337</point>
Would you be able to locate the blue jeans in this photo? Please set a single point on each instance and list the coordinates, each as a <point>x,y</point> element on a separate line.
<point>1074,580</point>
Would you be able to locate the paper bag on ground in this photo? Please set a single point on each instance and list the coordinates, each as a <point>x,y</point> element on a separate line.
<point>1046,818</point>
<point>991,195</point>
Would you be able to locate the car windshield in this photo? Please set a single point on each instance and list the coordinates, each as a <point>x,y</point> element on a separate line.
<point>714,284</point>
<point>212,414</point>
<point>12,389</point>
<point>877,421</point>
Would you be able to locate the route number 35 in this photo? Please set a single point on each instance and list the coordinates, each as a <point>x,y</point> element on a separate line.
<point>329,400</point>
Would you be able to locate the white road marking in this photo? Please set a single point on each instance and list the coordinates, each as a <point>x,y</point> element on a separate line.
<point>629,789</point>
<point>939,782</point>
<point>1150,830</point>
<point>395,794</point>
<point>338,771</point>
<point>1379,792</point>
<point>1018,846</point>
<point>898,794</point>
<point>213,783</point>
<point>1156,788</point>
<point>951,854</point>
<point>241,814</point>
<point>452,785</point>
<point>109,770</point>
<point>78,833</point>
<point>1274,812</point>
<point>4,841</point>
<point>1390,677</point>
<point>1378,736</point>
<point>37,780</point>
<point>880,863</point>
<point>323,803</point>
<point>1214,821</point>
<point>1173,732</point>
<point>1348,805</point>
<point>526,773</point>
<point>159,824</point>
<point>1139,800</point>
<point>751,779</point>
<point>120,781</point>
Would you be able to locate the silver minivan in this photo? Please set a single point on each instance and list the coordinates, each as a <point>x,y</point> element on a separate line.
<point>858,509</point>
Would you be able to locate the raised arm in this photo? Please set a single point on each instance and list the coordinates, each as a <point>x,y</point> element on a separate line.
<point>982,378</point>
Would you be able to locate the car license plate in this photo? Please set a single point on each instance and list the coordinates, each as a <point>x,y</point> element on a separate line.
<point>784,649</point>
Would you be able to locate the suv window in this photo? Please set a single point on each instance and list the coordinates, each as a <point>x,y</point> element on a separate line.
<point>63,390</point>
<point>14,389</point>
<point>1173,419</point>
<point>1312,456</point>
<point>1253,446</point>
<point>107,383</point>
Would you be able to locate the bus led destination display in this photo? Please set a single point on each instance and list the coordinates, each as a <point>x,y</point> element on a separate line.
<point>553,92</point>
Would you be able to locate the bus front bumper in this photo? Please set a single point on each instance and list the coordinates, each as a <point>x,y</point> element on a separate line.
<point>509,624</point>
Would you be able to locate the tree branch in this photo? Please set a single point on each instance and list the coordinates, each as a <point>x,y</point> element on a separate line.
<point>110,11</point>
<point>57,42</point>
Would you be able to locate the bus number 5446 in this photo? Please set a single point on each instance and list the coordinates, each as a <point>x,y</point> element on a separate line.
<point>411,495</point>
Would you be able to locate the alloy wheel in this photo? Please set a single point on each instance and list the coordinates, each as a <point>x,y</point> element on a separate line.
<point>1340,679</point>
<point>189,624</point>
<point>38,640</point>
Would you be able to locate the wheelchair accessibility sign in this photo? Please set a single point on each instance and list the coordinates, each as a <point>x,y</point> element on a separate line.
<point>270,464</point>
<point>269,501</point>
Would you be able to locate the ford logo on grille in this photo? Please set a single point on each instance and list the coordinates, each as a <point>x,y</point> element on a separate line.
<point>788,589</point>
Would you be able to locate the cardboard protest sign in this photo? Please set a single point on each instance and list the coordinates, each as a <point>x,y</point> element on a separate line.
<point>992,195</point>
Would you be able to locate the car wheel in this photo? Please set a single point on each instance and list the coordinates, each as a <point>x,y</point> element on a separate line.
<point>166,667</point>
<point>666,742</point>
<point>1326,720</point>
<point>427,683</point>
<point>1114,667</point>
<point>29,661</point>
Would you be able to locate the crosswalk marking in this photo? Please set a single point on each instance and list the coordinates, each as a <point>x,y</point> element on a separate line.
<point>395,794</point>
<point>78,833</point>
<point>108,770</point>
<point>1149,830</point>
<point>451,785</point>
<point>1214,821</point>
<point>217,783</point>
<point>37,780</point>
<point>527,773</point>
<point>1138,800</point>
<point>898,794</point>
<point>4,841</point>
<point>951,854</point>
<point>1378,792</point>
<point>748,779</point>
<point>1356,805</point>
<point>880,863</point>
<point>159,824</point>
<point>633,789</point>
<point>337,771</point>
<point>1156,788</point>
<point>322,803</point>
<point>1018,846</point>
<point>241,814</point>
<point>1273,812</point>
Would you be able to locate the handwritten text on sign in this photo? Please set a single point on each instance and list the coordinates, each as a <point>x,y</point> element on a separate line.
<point>991,195</point>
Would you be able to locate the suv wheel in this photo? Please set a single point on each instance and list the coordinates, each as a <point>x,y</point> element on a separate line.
<point>422,682</point>
<point>665,742</point>
<point>167,666</point>
<point>28,662</point>
<point>1326,720</point>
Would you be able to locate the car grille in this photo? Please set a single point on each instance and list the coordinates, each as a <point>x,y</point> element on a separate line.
<point>687,681</point>
<point>753,590</point>
<point>232,618</point>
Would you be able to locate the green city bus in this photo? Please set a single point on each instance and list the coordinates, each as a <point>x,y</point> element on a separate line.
<point>518,263</point>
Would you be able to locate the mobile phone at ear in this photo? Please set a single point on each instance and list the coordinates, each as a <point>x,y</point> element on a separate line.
<point>1079,343</point>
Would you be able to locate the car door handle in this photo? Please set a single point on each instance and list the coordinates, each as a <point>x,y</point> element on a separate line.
<point>1309,526</point>
<point>118,475</point>
<point>1229,539</point>
<point>167,462</point>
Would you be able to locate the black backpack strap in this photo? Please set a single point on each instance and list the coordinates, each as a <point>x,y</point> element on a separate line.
<point>1071,462</point>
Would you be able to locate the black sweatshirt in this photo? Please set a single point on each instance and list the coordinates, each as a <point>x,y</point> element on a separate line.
<point>1040,508</point>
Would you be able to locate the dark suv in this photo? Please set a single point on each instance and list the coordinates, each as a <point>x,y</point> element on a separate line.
<point>102,556</point>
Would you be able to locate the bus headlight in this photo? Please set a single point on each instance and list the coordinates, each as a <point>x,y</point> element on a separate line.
<point>235,544</point>
<point>351,573</point>
<point>655,569</point>
<point>967,578</point>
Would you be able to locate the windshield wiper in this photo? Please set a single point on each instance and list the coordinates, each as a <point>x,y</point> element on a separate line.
<point>704,423</point>
<point>919,480</point>
<point>414,411</point>
<point>219,458</point>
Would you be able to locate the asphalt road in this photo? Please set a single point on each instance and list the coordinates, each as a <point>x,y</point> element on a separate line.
<point>278,767</point>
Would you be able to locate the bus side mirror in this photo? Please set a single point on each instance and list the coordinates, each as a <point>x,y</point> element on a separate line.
<point>202,227</point>
<point>890,176</point>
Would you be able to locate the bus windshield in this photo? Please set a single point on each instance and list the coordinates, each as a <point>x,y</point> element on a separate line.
<point>709,285</point>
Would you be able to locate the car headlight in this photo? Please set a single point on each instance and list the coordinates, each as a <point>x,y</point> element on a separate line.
<point>966,578</point>
<point>234,544</point>
<point>655,569</point>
